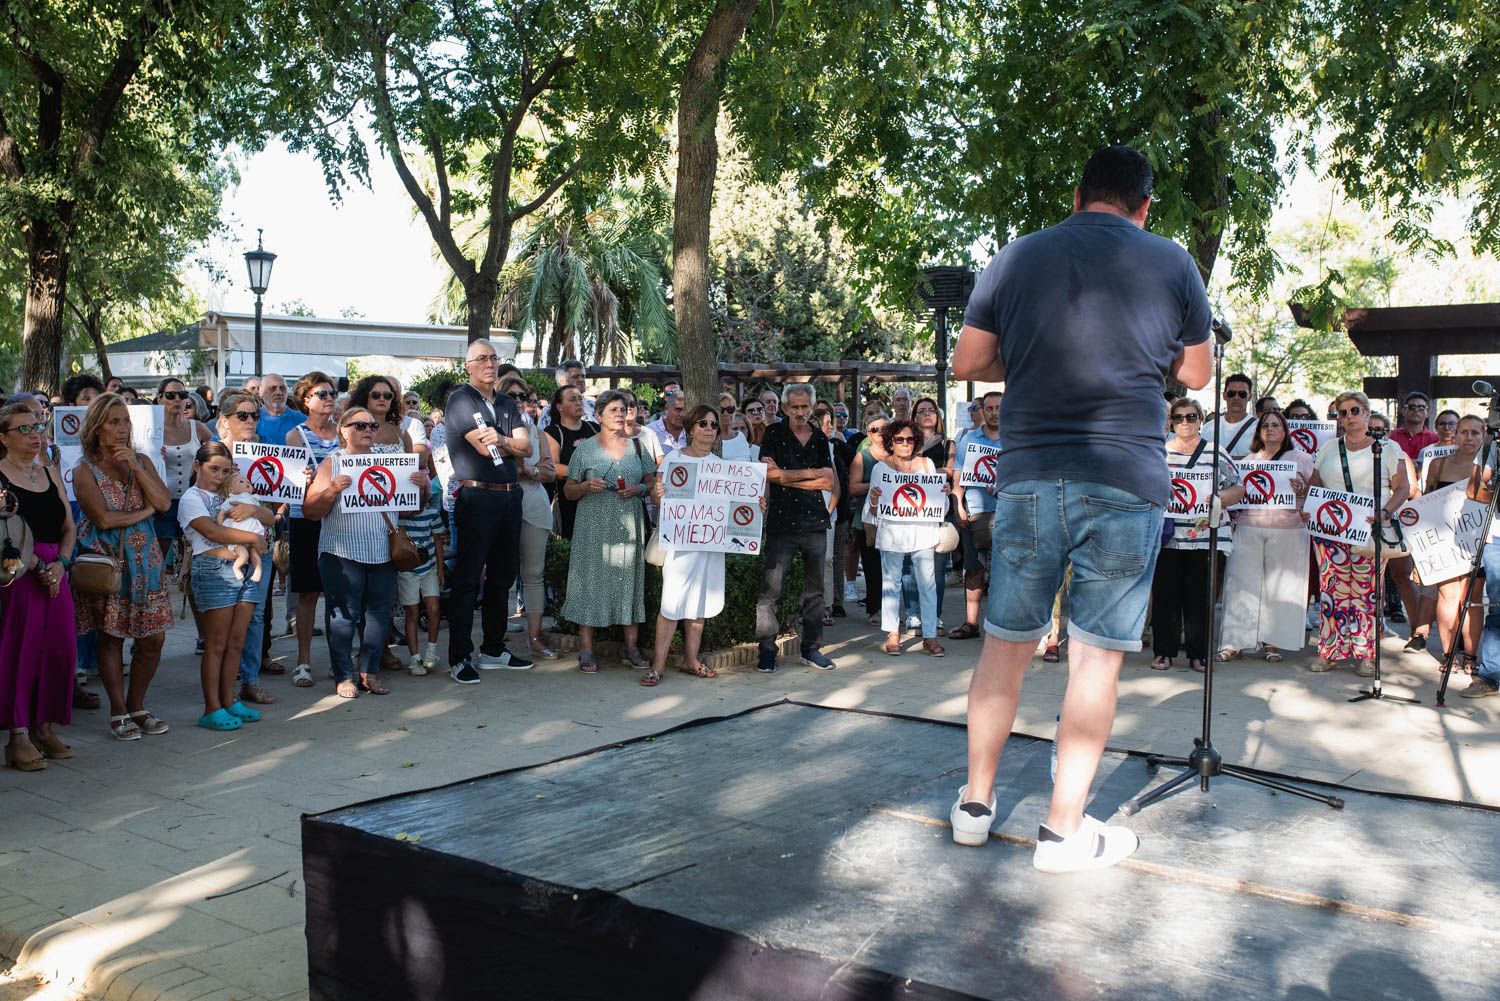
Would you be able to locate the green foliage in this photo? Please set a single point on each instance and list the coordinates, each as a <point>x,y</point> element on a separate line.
<point>426,385</point>
<point>734,625</point>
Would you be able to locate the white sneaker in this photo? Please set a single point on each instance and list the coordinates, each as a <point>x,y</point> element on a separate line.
<point>506,661</point>
<point>850,594</point>
<point>417,667</point>
<point>1314,618</point>
<point>430,658</point>
<point>971,821</point>
<point>1095,845</point>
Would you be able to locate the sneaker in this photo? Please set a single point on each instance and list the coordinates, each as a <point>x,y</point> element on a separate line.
<point>767,662</point>
<point>813,657</point>
<point>1319,665</point>
<point>463,672</point>
<point>971,820</point>
<point>506,661</point>
<point>1417,642</point>
<point>914,622</point>
<point>1478,689</point>
<point>198,646</point>
<point>1094,845</point>
<point>1314,618</point>
<point>851,596</point>
<point>1366,669</point>
<point>417,668</point>
<point>430,659</point>
<point>1397,615</point>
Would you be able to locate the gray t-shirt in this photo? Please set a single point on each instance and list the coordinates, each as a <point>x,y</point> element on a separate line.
<point>1090,315</point>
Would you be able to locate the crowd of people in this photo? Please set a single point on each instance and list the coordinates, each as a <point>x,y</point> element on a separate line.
<point>501,472</point>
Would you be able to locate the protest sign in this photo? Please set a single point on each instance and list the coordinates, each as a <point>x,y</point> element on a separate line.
<point>148,434</point>
<point>275,472</point>
<point>67,422</point>
<point>1431,454</point>
<point>978,465</point>
<point>380,482</point>
<point>1192,491</point>
<point>1441,531</point>
<point>1268,486</point>
<point>1310,435</point>
<point>1339,516</point>
<point>444,464</point>
<point>68,458</point>
<point>910,497</point>
<point>711,505</point>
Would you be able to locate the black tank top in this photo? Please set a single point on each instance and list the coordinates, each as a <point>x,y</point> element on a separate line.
<point>42,509</point>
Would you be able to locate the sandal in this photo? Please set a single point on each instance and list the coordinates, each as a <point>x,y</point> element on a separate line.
<point>83,698</point>
<point>302,676</point>
<point>650,679</point>
<point>967,631</point>
<point>371,683</point>
<point>51,745</point>
<point>540,649</point>
<point>1162,664</point>
<point>220,719</point>
<point>347,689</point>
<point>124,728</point>
<point>1229,653</point>
<point>17,758</point>
<point>271,667</point>
<point>257,695</point>
<point>634,659</point>
<point>893,648</point>
<point>1198,665</point>
<point>1050,655</point>
<point>587,663</point>
<point>699,670</point>
<point>1273,655</point>
<point>933,648</point>
<point>147,722</point>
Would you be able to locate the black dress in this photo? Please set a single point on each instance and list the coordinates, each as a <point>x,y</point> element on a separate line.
<point>567,440</point>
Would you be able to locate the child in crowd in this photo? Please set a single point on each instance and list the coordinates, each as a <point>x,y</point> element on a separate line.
<point>423,585</point>
<point>240,492</point>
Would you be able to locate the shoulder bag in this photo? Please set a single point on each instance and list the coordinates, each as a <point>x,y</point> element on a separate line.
<point>99,573</point>
<point>405,554</point>
<point>16,541</point>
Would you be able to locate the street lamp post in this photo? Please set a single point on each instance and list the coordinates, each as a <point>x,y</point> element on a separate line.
<point>258,262</point>
<point>943,288</point>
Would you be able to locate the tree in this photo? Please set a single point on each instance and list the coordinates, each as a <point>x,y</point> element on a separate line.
<point>486,110</point>
<point>90,90</point>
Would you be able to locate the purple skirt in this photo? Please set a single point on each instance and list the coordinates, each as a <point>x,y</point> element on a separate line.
<point>37,650</point>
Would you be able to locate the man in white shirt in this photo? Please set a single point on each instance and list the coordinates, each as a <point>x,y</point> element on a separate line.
<point>668,428</point>
<point>1237,425</point>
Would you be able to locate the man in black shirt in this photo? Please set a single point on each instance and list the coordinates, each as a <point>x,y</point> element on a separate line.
<point>797,456</point>
<point>485,434</point>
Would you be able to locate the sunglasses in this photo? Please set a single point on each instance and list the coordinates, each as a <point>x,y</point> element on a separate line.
<point>1237,394</point>
<point>370,426</point>
<point>753,411</point>
<point>245,415</point>
<point>1191,418</point>
<point>323,394</point>
<point>517,396</point>
<point>382,396</point>
<point>27,429</point>
<point>903,439</point>
<point>173,394</point>
<point>1351,412</point>
<point>709,424</point>
<point>1416,406</point>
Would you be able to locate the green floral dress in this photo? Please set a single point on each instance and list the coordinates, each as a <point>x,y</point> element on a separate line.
<point>607,566</point>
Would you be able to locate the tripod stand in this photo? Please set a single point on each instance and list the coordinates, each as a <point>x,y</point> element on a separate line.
<point>1492,427</point>
<point>1205,762</point>
<point>1378,529</point>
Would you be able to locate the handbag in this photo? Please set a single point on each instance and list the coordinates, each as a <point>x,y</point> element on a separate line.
<point>281,553</point>
<point>17,545</point>
<point>947,538</point>
<point>96,574</point>
<point>405,554</point>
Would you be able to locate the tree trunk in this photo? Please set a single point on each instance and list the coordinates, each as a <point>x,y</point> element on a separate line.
<point>697,162</point>
<point>93,322</point>
<point>1207,186</point>
<point>46,288</point>
<point>480,294</point>
<point>555,339</point>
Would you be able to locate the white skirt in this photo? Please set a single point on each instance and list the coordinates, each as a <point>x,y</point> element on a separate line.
<point>692,585</point>
<point>1265,589</point>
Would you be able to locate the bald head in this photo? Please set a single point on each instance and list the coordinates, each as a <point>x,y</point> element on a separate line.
<point>273,393</point>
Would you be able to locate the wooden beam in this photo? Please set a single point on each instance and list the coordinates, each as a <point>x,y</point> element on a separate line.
<point>1444,387</point>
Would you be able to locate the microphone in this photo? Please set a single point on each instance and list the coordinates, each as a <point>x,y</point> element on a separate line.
<point>1221,331</point>
<point>495,455</point>
<point>1483,388</point>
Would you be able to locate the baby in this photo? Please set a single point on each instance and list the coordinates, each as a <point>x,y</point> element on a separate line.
<point>240,493</point>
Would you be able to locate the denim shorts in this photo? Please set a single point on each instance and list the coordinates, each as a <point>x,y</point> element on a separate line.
<point>1109,536</point>
<point>216,586</point>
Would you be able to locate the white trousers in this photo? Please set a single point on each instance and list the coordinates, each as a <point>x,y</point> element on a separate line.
<point>1265,589</point>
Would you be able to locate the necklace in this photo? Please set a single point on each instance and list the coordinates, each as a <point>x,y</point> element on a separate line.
<point>29,474</point>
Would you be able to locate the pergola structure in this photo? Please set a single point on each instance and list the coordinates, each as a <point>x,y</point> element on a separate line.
<point>850,375</point>
<point>1416,336</point>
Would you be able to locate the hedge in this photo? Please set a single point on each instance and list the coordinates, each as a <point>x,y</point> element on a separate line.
<point>734,625</point>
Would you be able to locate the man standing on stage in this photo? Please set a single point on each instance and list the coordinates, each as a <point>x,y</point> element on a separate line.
<point>486,515</point>
<point>1082,322</point>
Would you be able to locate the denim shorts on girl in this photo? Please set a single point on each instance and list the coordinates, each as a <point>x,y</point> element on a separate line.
<point>215,584</point>
<point>1109,536</point>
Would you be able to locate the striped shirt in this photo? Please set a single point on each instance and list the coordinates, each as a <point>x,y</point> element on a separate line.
<point>421,527</point>
<point>360,536</point>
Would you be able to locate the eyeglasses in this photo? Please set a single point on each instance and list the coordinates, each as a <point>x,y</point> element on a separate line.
<point>1447,424</point>
<point>709,424</point>
<point>1237,394</point>
<point>323,394</point>
<point>728,408</point>
<point>1351,412</point>
<point>483,360</point>
<point>245,415</point>
<point>903,439</point>
<point>382,396</point>
<point>370,426</point>
<point>753,411</point>
<point>1416,406</point>
<point>26,429</point>
<point>173,394</point>
<point>1190,417</point>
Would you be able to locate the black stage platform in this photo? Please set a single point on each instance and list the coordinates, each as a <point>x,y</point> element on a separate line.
<point>794,852</point>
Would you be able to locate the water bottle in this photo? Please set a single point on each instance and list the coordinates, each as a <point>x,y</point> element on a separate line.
<point>1054,750</point>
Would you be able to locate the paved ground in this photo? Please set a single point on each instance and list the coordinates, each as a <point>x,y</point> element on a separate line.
<point>170,867</point>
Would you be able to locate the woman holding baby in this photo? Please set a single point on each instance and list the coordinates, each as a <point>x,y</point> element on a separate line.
<point>218,518</point>
<point>119,494</point>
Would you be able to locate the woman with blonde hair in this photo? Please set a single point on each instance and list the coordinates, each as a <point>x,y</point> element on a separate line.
<point>120,494</point>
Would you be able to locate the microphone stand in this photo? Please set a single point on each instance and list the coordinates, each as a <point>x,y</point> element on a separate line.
<point>1378,525</point>
<point>1205,762</point>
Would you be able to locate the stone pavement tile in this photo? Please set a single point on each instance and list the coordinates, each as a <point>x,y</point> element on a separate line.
<point>35,869</point>
<point>265,908</point>
<point>271,965</point>
<point>174,983</point>
<point>24,923</point>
